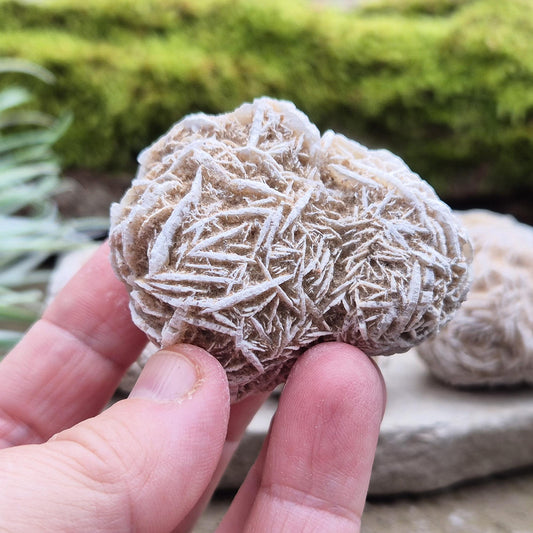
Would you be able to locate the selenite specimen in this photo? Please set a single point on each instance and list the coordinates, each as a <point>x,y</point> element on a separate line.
<point>490,339</point>
<point>252,236</point>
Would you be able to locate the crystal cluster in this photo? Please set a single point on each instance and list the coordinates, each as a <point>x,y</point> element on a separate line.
<point>490,339</point>
<point>253,236</point>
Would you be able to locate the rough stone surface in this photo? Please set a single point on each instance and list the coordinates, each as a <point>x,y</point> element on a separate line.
<point>254,237</point>
<point>432,436</point>
<point>490,339</point>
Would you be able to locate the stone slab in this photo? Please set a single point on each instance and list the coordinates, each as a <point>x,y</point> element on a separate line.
<point>432,436</point>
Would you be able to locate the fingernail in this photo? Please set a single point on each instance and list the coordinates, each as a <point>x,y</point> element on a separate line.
<point>167,376</point>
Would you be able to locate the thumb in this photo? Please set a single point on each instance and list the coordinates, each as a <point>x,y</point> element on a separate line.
<point>141,465</point>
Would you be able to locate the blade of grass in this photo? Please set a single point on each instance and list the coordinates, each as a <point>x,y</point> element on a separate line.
<point>24,173</point>
<point>10,65</point>
<point>26,118</point>
<point>47,136</point>
<point>22,269</point>
<point>27,196</point>
<point>13,97</point>
<point>8,339</point>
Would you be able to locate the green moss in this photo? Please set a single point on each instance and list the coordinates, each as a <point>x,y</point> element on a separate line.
<point>446,84</point>
<point>415,7</point>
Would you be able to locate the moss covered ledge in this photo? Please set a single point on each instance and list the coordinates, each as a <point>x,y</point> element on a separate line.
<point>446,84</point>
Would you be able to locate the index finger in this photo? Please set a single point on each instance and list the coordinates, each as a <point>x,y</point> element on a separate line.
<point>68,365</point>
<point>314,468</point>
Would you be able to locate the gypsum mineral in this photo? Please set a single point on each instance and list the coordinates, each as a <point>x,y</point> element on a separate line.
<point>490,339</point>
<point>254,237</point>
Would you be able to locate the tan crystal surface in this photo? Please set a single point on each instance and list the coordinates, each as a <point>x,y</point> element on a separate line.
<point>253,236</point>
<point>490,340</point>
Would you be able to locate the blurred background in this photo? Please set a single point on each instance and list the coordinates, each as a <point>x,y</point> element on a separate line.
<point>445,84</point>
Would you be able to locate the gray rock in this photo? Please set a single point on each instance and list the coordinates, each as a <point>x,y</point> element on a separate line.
<point>434,436</point>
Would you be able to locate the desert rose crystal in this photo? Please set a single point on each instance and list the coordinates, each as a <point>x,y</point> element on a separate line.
<point>490,339</point>
<point>253,236</point>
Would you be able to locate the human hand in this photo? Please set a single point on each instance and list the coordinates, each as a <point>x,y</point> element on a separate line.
<point>151,462</point>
